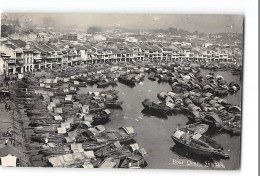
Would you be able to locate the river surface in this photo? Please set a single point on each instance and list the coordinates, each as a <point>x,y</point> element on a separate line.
<point>154,133</point>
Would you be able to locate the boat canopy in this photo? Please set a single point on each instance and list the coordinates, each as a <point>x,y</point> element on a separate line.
<point>72,133</point>
<point>56,100</point>
<point>178,134</point>
<point>89,154</point>
<point>143,151</point>
<point>101,140</point>
<point>58,117</point>
<point>96,93</point>
<point>220,78</point>
<point>171,94</point>
<point>89,117</point>
<point>87,123</point>
<point>76,83</point>
<point>209,77</point>
<point>77,147</point>
<point>70,139</point>
<point>70,120</point>
<point>129,130</point>
<point>169,99</point>
<point>93,131</point>
<point>235,109</point>
<point>68,98</point>
<point>207,87</point>
<point>208,94</point>
<point>69,159</point>
<point>58,110</point>
<point>134,147</point>
<point>107,111</point>
<point>65,125</point>
<point>108,164</point>
<point>196,136</point>
<point>214,117</point>
<point>87,165</point>
<point>100,128</point>
<point>48,81</point>
<point>61,130</point>
<point>117,144</point>
<point>85,108</point>
<point>170,105</point>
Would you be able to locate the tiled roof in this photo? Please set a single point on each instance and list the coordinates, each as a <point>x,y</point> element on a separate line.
<point>55,48</point>
<point>11,46</point>
<point>19,43</point>
<point>43,48</point>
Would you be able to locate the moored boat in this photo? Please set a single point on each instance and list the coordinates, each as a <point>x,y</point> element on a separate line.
<point>157,107</point>
<point>123,134</point>
<point>199,144</point>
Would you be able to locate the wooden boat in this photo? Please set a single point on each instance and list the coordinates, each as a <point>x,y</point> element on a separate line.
<point>44,122</point>
<point>123,134</point>
<point>134,160</point>
<point>94,145</point>
<point>36,112</point>
<point>212,119</point>
<point>103,83</point>
<point>198,144</point>
<point>152,77</point>
<point>110,92</point>
<point>101,117</point>
<point>113,149</point>
<point>234,128</point>
<point>195,128</point>
<point>96,109</point>
<point>56,140</point>
<point>45,129</point>
<point>106,82</point>
<point>113,104</point>
<point>163,78</point>
<point>157,107</point>
<point>221,91</point>
<point>126,80</point>
<point>55,151</point>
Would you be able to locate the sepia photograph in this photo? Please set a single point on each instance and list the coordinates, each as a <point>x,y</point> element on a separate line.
<point>137,91</point>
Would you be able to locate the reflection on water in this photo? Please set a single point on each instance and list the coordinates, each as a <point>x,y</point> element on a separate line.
<point>154,133</point>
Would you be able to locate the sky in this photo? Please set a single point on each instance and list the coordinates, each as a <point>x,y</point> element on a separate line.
<point>202,23</point>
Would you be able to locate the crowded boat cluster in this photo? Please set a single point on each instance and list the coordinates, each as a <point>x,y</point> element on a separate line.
<point>201,99</point>
<point>66,127</point>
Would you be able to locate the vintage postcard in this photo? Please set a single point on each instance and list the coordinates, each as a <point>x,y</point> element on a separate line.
<point>153,91</point>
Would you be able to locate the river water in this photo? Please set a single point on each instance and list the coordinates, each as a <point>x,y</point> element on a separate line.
<point>154,133</point>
